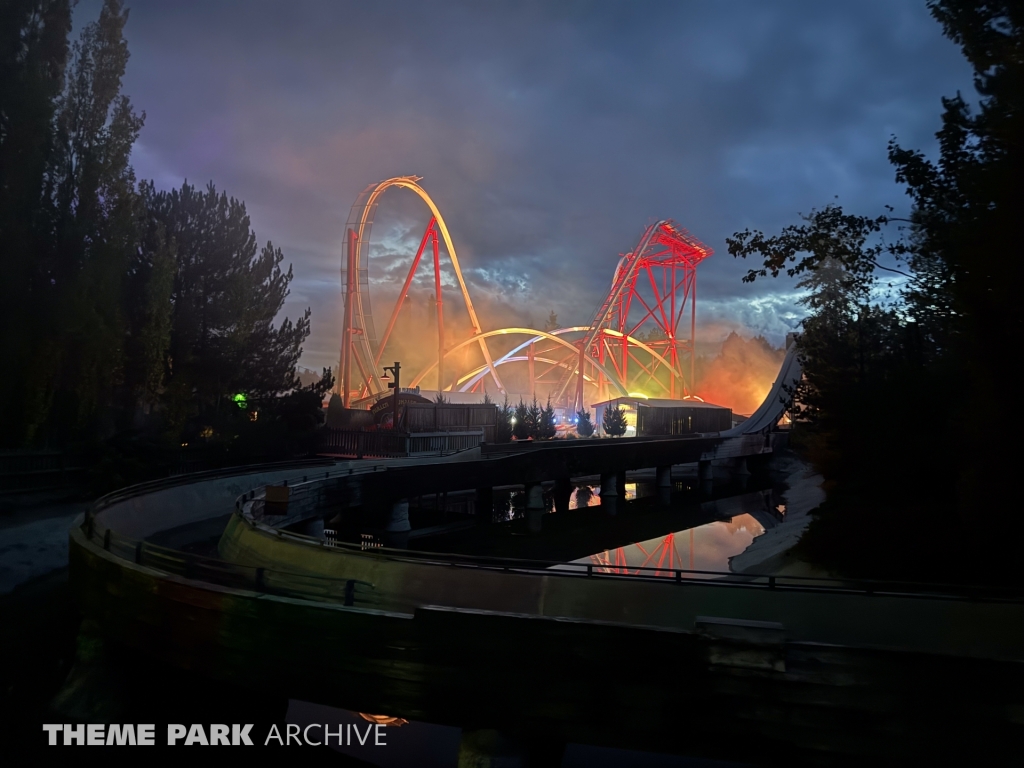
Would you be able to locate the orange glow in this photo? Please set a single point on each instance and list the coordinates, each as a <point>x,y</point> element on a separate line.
<point>741,376</point>
<point>383,719</point>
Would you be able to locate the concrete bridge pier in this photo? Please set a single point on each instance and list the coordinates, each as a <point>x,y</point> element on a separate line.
<point>562,494</point>
<point>705,476</point>
<point>396,532</point>
<point>663,481</point>
<point>484,505</point>
<point>534,507</point>
<point>611,490</point>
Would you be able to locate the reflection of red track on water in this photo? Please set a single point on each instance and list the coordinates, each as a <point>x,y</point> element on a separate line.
<point>665,558</point>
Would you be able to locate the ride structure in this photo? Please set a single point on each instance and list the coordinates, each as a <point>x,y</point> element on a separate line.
<point>632,343</point>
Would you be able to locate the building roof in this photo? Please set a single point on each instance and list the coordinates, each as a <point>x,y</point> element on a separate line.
<point>659,402</point>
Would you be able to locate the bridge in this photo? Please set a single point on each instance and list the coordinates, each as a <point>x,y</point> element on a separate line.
<point>574,649</point>
<point>231,574</point>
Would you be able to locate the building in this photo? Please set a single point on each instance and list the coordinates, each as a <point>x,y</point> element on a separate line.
<point>656,416</point>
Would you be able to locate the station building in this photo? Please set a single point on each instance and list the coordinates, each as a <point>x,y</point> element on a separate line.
<point>661,416</point>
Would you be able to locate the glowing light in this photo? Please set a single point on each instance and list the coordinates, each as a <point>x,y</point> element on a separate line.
<point>383,719</point>
<point>694,397</point>
<point>641,395</point>
<point>241,401</point>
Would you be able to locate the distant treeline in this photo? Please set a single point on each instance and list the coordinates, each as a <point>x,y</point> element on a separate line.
<point>126,310</point>
<point>908,348</point>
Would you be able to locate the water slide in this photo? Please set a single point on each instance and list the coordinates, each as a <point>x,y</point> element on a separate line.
<point>778,400</point>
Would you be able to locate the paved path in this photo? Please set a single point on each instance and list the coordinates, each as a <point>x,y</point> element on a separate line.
<point>34,538</point>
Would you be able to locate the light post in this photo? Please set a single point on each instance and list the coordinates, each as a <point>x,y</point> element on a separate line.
<point>395,369</point>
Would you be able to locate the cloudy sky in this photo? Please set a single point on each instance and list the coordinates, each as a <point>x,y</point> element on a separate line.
<point>548,133</point>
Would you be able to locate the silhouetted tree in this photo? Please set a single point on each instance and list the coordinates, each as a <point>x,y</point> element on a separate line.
<point>867,361</point>
<point>521,421</point>
<point>33,57</point>
<point>534,416</point>
<point>584,426</point>
<point>227,292</point>
<point>503,428</point>
<point>546,428</point>
<point>614,421</point>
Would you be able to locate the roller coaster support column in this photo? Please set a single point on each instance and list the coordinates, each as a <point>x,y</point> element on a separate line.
<point>663,478</point>
<point>704,476</point>
<point>579,378</point>
<point>398,526</point>
<point>351,283</point>
<point>484,505</point>
<point>440,312</point>
<point>534,507</point>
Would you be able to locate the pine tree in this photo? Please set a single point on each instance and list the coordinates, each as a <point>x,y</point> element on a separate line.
<point>503,429</point>
<point>614,421</point>
<point>533,415</point>
<point>546,429</point>
<point>227,293</point>
<point>521,421</point>
<point>584,426</point>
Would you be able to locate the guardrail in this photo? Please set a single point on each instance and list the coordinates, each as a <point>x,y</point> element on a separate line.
<point>349,592</point>
<point>387,444</point>
<point>681,576</point>
<point>334,589</point>
<point>379,445</point>
<point>354,591</point>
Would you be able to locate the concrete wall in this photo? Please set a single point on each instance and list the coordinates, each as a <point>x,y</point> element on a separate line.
<point>984,630</point>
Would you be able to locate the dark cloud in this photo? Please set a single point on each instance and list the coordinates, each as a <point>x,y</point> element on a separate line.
<point>549,134</point>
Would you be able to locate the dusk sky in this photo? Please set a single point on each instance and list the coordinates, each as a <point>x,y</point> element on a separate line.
<point>548,133</point>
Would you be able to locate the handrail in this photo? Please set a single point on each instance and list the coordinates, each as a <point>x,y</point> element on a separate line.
<point>149,486</point>
<point>557,567</point>
<point>347,591</point>
<point>870,587</point>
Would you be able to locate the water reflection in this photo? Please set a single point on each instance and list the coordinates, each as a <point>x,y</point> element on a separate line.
<point>706,547</point>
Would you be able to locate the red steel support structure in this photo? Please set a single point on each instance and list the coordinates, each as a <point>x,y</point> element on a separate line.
<point>632,344</point>
<point>654,287</point>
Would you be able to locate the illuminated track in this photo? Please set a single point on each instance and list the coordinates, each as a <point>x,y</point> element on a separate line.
<point>611,356</point>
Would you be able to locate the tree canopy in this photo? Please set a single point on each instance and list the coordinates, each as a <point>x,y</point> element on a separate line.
<point>904,348</point>
<point>123,305</point>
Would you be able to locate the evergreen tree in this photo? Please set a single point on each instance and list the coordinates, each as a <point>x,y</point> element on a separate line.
<point>546,429</point>
<point>33,58</point>
<point>90,237</point>
<point>335,412</point>
<point>534,415</point>
<point>867,362</point>
<point>584,426</point>
<point>226,293</point>
<point>551,323</point>
<point>503,428</point>
<point>521,421</point>
<point>614,421</point>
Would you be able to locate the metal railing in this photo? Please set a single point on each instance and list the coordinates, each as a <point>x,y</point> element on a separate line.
<point>333,589</point>
<point>306,507</point>
<point>380,445</point>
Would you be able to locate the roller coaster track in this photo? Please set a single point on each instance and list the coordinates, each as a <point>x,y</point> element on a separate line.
<point>602,356</point>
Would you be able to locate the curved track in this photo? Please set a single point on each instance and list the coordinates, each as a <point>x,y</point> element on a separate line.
<point>778,401</point>
<point>610,357</point>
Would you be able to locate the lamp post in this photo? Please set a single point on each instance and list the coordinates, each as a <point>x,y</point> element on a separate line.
<point>395,369</point>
